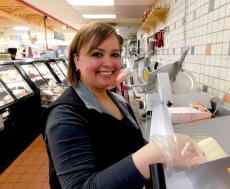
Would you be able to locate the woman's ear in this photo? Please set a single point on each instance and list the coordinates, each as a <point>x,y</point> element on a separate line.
<point>75,58</point>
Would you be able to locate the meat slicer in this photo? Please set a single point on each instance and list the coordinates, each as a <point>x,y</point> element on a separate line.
<point>184,87</point>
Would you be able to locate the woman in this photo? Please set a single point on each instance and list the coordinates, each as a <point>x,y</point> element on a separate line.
<point>92,137</point>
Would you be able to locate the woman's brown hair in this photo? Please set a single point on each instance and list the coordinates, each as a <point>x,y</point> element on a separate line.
<point>96,33</point>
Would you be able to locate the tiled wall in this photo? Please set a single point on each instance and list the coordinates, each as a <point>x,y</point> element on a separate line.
<point>204,27</point>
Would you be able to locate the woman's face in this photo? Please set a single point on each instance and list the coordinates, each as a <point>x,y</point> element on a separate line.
<point>100,67</point>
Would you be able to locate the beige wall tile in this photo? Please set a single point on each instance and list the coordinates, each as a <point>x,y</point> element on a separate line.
<point>208,33</point>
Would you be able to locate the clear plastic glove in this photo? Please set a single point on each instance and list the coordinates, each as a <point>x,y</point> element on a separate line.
<point>179,151</point>
<point>123,75</point>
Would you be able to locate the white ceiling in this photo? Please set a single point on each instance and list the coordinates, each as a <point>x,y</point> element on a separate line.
<point>129,13</point>
<point>18,13</point>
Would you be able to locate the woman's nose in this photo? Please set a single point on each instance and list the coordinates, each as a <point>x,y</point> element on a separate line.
<point>108,60</point>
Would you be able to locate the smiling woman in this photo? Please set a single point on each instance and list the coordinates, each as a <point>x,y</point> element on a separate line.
<point>93,139</point>
<point>99,67</point>
<point>90,45</point>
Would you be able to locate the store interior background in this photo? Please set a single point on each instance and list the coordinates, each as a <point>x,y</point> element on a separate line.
<point>201,25</point>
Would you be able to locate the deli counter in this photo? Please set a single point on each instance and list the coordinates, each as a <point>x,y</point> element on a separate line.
<point>20,108</point>
<point>59,67</point>
<point>49,76</point>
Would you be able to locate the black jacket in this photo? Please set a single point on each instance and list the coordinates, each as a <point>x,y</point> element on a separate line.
<point>104,146</point>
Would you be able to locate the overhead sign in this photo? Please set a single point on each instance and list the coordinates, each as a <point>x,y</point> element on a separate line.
<point>59,36</point>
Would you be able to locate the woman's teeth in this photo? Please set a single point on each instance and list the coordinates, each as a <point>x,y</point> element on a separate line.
<point>105,73</point>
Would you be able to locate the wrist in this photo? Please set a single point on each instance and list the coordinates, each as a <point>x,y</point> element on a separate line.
<point>149,154</point>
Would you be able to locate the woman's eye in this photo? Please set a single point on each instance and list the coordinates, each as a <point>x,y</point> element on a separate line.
<point>97,54</point>
<point>116,55</point>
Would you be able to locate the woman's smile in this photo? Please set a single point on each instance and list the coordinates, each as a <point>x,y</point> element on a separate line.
<point>105,73</point>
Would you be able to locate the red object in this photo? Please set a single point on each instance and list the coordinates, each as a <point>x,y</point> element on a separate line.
<point>159,38</point>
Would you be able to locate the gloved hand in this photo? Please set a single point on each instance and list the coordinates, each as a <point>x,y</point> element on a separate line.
<point>179,151</point>
<point>123,75</point>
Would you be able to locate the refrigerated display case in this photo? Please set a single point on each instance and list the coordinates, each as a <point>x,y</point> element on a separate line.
<point>20,109</point>
<point>4,95</point>
<point>40,75</point>
<point>62,65</point>
<point>58,68</point>
<point>46,71</point>
<point>11,77</point>
<point>33,74</point>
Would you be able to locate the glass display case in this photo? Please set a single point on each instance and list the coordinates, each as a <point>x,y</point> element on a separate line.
<point>14,81</point>
<point>46,72</point>
<point>34,75</point>
<point>62,65</point>
<point>20,110</point>
<point>41,76</point>
<point>5,96</point>
<point>59,69</point>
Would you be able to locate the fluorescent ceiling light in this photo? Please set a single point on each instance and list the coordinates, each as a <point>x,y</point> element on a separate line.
<point>91,2</point>
<point>95,16</point>
<point>21,28</point>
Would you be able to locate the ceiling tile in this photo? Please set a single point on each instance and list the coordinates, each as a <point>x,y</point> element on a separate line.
<point>93,10</point>
<point>130,11</point>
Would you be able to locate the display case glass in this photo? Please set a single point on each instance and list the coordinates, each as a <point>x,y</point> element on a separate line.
<point>41,76</point>
<point>62,66</point>
<point>46,73</point>
<point>34,75</point>
<point>5,97</point>
<point>14,81</point>
<point>58,71</point>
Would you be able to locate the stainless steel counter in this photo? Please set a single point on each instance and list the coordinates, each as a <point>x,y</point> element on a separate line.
<point>218,128</point>
<point>143,123</point>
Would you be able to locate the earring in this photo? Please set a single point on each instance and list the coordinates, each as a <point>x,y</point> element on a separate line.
<point>78,73</point>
